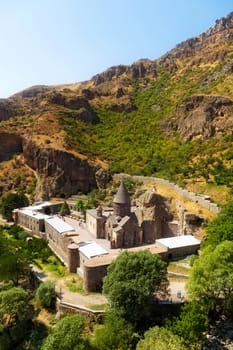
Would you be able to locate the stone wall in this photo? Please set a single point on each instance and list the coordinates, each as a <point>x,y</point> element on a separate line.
<point>95,223</point>
<point>181,252</point>
<point>197,198</point>
<point>33,223</point>
<point>93,277</point>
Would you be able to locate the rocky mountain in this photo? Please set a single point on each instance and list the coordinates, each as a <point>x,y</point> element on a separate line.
<point>170,117</point>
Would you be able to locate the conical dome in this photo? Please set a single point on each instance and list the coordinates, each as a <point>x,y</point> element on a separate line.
<point>122,196</point>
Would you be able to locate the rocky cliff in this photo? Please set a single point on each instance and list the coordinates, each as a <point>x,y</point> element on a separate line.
<point>202,117</point>
<point>133,119</point>
<point>61,174</point>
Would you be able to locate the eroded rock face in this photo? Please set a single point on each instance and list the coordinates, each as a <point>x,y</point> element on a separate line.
<point>60,174</point>
<point>10,144</point>
<point>221,31</point>
<point>139,69</point>
<point>192,223</point>
<point>201,117</point>
<point>8,109</point>
<point>77,107</point>
<point>34,91</point>
<point>102,176</point>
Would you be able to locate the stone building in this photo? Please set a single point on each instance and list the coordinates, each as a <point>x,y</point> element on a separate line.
<point>33,217</point>
<point>179,246</point>
<point>59,235</point>
<point>89,250</point>
<point>95,220</point>
<point>32,220</point>
<point>125,226</point>
<point>118,225</point>
<point>152,215</point>
<point>122,229</point>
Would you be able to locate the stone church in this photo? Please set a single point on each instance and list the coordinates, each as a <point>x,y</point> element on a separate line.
<point>125,226</point>
<point>121,226</point>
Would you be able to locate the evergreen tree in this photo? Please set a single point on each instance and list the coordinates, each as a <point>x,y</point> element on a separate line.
<point>65,210</point>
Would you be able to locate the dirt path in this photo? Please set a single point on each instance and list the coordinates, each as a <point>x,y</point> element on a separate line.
<point>90,300</point>
<point>177,290</point>
<point>79,299</point>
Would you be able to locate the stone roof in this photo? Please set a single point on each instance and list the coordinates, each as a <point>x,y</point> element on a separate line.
<point>124,220</point>
<point>122,196</point>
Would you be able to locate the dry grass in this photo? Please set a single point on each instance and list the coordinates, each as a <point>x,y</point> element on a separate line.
<point>218,194</point>
<point>46,318</point>
<point>74,284</point>
<point>181,266</point>
<point>168,192</point>
<point>97,307</point>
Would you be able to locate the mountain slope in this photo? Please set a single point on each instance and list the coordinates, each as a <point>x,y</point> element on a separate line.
<point>172,117</point>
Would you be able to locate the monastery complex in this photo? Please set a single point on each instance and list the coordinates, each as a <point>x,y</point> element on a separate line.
<point>89,247</point>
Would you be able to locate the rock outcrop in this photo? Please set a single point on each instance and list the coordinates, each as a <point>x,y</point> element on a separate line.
<point>201,117</point>
<point>192,223</point>
<point>10,144</point>
<point>8,109</point>
<point>33,91</point>
<point>76,106</point>
<point>102,177</point>
<point>140,69</point>
<point>59,173</point>
<point>221,31</point>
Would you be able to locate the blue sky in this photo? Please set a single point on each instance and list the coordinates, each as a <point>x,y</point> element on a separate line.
<point>65,41</point>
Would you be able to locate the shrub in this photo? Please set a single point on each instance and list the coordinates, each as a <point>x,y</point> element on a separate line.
<point>46,294</point>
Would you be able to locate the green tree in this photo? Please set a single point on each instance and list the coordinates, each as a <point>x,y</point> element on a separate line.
<point>115,334</point>
<point>131,283</point>
<point>161,339</point>
<point>11,201</point>
<point>46,294</point>
<point>65,210</point>
<point>16,314</point>
<point>211,277</point>
<point>80,205</point>
<point>221,228</point>
<point>14,261</point>
<point>192,323</point>
<point>67,335</point>
<point>14,306</point>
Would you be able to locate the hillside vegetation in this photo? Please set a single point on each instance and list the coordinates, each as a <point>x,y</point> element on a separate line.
<point>172,117</point>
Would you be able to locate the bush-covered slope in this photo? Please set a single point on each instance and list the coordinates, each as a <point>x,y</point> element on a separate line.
<point>172,117</point>
<point>168,132</point>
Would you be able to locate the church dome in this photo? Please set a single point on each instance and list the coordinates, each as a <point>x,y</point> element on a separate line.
<point>122,196</point>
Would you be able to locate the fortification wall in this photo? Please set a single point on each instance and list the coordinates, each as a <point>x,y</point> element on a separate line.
<point>196,198</point>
